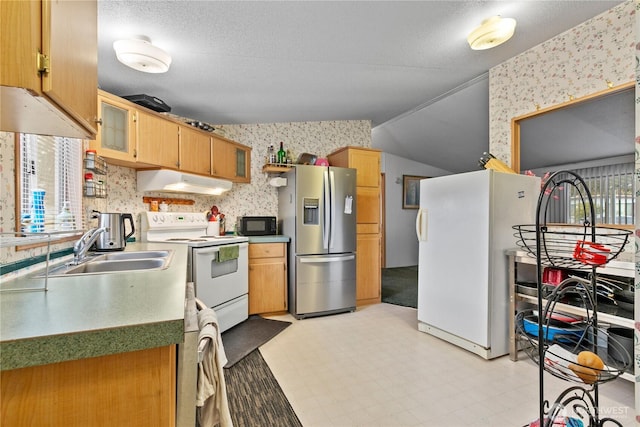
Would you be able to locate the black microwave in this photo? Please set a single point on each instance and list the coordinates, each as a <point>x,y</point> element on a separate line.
<point>257,225</point>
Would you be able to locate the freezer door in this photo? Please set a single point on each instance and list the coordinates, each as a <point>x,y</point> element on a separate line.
<point>453,255</point>
<point>312,207</point>
<point>325,283</point>
<point>342,212</point>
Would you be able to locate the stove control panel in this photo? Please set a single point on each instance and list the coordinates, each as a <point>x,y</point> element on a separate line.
<point>155,220</point>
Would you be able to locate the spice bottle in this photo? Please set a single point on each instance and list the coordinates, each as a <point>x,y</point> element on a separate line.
<point>89,185</point>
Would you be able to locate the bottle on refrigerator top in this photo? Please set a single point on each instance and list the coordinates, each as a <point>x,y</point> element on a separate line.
<point>282,155</point>
<point>289,157</point>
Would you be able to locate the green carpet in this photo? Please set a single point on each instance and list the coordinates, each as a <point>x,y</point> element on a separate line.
<point>400,286</point>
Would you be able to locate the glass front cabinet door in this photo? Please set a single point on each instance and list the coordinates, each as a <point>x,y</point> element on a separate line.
<point>116,138</point>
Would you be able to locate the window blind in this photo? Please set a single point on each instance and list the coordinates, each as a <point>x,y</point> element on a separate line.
<point>612,191</point>
<point>50,180</point>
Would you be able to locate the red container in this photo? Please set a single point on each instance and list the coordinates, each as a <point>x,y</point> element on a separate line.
<point>553,276</point>
<point>591,253</point>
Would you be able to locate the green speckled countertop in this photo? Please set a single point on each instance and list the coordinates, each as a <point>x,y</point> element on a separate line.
<point>93,315</point>
<point>276,238</point>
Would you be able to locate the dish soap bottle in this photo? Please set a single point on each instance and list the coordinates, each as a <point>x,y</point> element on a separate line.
<point>65,220</point>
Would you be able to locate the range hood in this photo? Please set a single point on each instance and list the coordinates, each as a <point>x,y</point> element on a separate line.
<point>180,182</point>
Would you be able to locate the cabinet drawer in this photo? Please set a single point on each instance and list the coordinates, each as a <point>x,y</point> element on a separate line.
<point>266,250</point>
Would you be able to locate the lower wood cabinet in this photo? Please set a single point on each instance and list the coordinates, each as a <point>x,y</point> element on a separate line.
<point>128,389</point>
<point>267,277</point>
<point>368,268</point>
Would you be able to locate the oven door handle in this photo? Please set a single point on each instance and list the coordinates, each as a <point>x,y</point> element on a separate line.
<point>207,251</point>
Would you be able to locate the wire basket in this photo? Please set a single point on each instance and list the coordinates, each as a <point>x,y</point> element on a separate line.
<point>564,341</point>
<point>576,247</point>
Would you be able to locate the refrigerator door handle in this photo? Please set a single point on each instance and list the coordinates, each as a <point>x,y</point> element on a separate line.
<point>326,259</point>
<point>332,191</point>
<point>421,225</point>
<point>327,212</point>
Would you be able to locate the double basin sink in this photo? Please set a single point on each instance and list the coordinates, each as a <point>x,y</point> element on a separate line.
<point>116,262</point>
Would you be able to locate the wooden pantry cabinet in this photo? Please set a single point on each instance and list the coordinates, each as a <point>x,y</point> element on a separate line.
<point>368,219</point>
<point>134,388</point>
<point>267,277</point>
<point>48,67</point>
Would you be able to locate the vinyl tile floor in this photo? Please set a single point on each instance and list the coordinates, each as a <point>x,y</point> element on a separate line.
<point>374,368</point>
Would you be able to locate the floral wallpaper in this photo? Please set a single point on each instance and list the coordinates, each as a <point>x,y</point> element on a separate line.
<point>574,64</point>
<point>256,198</point>
<point>600,53</point>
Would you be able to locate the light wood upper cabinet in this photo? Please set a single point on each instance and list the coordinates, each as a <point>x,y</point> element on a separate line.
<point>48,67</point>
<point>117,130</point>
<point>230,160</point>
<point>195,151</point>
<point>158,140</point>
<point>365,160</point>
<point>134,136</point>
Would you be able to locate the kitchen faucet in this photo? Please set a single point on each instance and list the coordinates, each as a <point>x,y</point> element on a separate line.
<point>81,247</point>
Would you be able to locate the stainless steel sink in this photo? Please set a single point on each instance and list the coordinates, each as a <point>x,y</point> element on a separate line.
<point>116,266</point>
<point>117,262</point>
<point>113,256</point>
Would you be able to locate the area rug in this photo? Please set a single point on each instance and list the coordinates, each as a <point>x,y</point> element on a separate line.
<point>400,286</point>
<point>247,336</point>
<point>255,397</point>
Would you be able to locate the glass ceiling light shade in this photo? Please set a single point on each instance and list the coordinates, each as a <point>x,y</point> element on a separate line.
<point>492,32</point>
<point>141,55</point>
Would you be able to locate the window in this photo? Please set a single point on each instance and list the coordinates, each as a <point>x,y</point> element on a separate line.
<point>50,183</point>
<point>612,191</point>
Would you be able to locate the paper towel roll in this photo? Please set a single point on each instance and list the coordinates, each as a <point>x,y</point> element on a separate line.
<point>278,182</point>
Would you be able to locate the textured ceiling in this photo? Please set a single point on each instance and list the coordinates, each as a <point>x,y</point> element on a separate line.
<point>262,62</point>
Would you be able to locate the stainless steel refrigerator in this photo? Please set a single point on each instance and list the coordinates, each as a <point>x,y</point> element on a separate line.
<point>317,209</point>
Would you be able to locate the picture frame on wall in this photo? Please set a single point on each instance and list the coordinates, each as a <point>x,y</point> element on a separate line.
<point>411,191</point>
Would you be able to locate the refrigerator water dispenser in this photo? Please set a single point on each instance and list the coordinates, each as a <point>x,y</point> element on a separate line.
<point>311,214</point>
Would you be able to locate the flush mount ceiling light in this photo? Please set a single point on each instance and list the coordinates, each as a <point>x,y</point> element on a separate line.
<point>491,33</point>
<point>141,55</point>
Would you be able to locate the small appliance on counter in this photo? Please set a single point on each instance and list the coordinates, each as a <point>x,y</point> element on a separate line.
<point>257,225</point>
<point>114,239</point>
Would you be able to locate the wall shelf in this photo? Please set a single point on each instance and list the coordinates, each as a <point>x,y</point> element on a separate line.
<point>276,168</point>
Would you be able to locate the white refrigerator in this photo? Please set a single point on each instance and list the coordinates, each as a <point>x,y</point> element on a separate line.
<point>464,225</point>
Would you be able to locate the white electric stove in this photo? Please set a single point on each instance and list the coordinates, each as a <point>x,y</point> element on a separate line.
<point>218,270</point>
